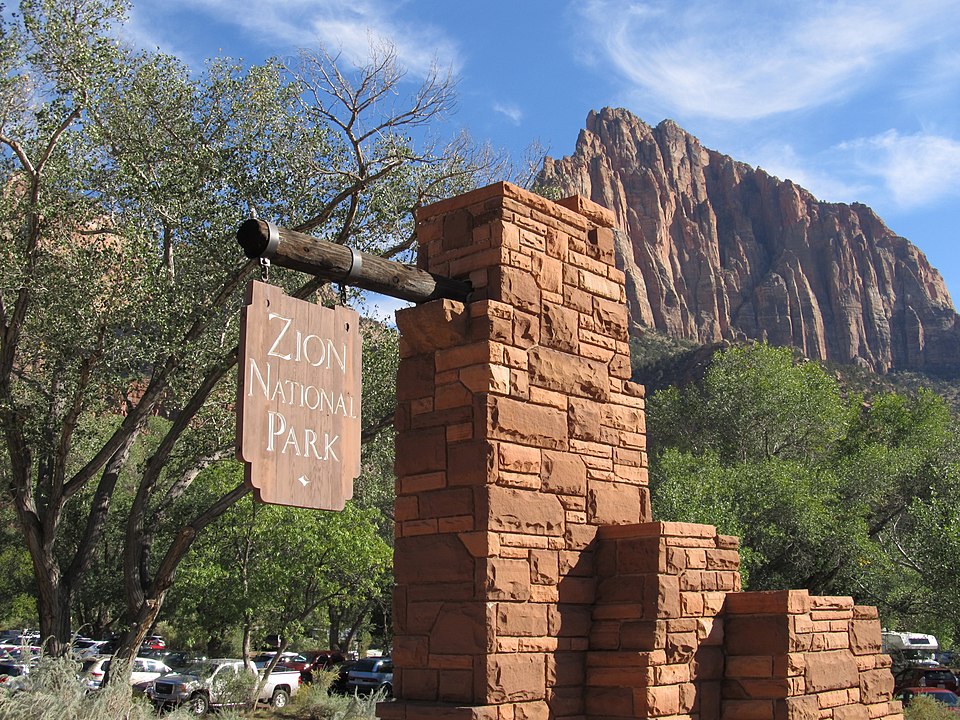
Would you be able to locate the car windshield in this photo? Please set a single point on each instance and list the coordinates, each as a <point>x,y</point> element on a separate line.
<point>366,665</point>
<point>947,698</point>
<point>200,668</point>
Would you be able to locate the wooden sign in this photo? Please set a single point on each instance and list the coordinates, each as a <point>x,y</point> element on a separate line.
<point>298,410</point>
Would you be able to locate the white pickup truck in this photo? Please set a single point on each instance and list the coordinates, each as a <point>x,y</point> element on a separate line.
<point>221,682</point>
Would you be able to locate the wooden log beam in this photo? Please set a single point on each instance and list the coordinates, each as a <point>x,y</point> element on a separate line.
<point>337,263</point>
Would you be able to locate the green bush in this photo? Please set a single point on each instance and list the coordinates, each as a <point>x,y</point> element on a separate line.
<point>313,702</point>
<point>925,708</point>
<point>53,692</point>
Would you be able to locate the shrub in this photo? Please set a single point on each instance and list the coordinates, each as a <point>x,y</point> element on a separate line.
<point>926,708</point>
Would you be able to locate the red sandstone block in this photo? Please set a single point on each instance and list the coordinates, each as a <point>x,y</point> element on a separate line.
<point>671,674</point>
<point>691,604</point>
<point>614,677</point>
<point>418,527</point>
<point>728,542</point>
<point>777,601</point>
<point>592,211</point>
<point>578,537</point>
<point>831,670</point>
<point>708,664</point>
<point>638,554</point>
<point>620,611</point>
<point>463,628</point>
<point>524,511</point>
<point>456,524</point>
<point>746,709</point>
<point>681,647</point>
<point>521,619</point>
<point>518,458</point>
<point>544,567</point>
<point>429,559</point>
<point>658,701</point>
<point>470,463</point>
<point>610,702</point>
<point>419,684</point>
<point>613,504</point>
<point>480,544</point>
<point>647,635</point>
<point>526,329</point>
<point>506,579</point>
<point>865,636</point>
<point>583,418</point>
<point>527,424</point>
<point>876,685</point>
<point>865,612</point>
<point>605,635</point>
<point>568,373</point>
<point>830,601</point>
<point>420,451</point>
<point>798,708</point>
<point>577,590</point>
<point>563,473</point>
<point>749,666</point>
<point>513,677</point>
<point>723,560</point>
<point>456,686</point>
<point>415,484</point>
<point>405,508</point>
<point>569,620</point>
<point>447,502</point>
<point>756,634</point>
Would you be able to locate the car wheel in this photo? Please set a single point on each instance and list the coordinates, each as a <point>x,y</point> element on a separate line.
<point>199,704</point>
<point>280,698</point>
<point>388,689</point>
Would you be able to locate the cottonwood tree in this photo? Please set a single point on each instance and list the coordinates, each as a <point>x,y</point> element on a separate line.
<point>840,495</point>
<point>123,177</point>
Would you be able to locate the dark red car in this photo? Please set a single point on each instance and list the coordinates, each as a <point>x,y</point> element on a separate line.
<point>940,695</point>
<point>929,677</point>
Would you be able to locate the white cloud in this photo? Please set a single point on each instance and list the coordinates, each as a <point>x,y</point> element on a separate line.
<point>781,160</point>
<point>916,170</point>
<point>733,59</point>
<point>341,26</point>
<point>511,111</point>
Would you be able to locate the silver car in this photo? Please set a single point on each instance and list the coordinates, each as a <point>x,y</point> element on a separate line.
<point>371,674</point>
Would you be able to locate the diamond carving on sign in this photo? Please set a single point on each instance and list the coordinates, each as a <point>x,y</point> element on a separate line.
<point>298,409</point>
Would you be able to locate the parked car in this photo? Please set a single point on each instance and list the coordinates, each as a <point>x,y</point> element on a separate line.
<point>323,660</point>
<point>13,675</point>
<point>176,659</point>
<point>371,674</point>
<point>153,642</point>
<point>933,677</point>
<point>289,660</point>
<point>339,685</point>
<point>941,695</point>
<point>214,683</point>
<point>144,672</point>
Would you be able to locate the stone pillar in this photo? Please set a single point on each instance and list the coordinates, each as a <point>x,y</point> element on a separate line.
<point>656,646</point>
<point>518,434</point>
<point>792,656</point>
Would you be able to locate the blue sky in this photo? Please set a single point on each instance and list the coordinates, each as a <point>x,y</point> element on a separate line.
<point>857,101</point>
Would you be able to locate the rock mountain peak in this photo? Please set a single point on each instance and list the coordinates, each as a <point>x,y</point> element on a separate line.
<point>715,249</point>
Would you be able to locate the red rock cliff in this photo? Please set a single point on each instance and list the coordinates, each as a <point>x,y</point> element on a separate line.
<point>715,249</point>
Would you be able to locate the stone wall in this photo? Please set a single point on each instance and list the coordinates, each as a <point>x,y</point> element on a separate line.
<point>531,582</point>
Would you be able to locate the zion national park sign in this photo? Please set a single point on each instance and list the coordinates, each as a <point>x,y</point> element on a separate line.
<point>298,413</point>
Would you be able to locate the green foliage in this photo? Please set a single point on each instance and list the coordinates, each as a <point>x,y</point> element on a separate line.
<point>925,708</point>
<point>124,177</point>
<point>840,496</point>
<point>315,703</point>
<point>55,694</point>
